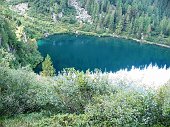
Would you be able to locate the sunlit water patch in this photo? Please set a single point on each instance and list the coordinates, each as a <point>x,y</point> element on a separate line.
<point>149,78</point>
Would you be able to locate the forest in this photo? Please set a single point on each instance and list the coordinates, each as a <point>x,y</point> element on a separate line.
<point>73,98</point>
<point>144,20</point>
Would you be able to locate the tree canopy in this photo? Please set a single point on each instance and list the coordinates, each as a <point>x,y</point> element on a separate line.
<point>47,67</point>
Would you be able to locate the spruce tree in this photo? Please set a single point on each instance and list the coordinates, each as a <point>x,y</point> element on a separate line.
<point>47,67</point>
<point>111,21</point>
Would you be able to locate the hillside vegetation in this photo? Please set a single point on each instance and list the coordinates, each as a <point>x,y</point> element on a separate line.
<point>25,52</point>
<point>74,98</point>
<point>144,20</point>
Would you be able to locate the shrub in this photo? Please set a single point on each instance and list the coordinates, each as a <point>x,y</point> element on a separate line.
<point>163,99</point>
<point>41,120</point>
<point>76,98</point>
<point>21,91</point>
<point>6,59</point>
<point>76,89</point>
<point>126,108</point>
<point>69,93</point>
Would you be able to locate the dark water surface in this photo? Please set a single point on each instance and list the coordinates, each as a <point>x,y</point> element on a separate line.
<point>106,53</point>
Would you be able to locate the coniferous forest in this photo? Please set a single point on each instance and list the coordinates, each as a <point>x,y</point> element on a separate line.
<point>74,98</point>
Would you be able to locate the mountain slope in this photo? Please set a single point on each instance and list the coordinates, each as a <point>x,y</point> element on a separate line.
<point>33,19</point>
<point>145,20</point>
<point>25,52</point>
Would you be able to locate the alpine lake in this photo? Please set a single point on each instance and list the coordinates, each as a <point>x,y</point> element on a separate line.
<point>84,52</point>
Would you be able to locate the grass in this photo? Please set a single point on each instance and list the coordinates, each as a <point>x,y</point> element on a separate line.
<point>23,120</point>
<point>42,120</point>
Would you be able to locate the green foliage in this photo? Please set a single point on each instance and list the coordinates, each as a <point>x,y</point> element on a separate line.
<point>47,67</point>
<point>76,89</point>
<point>42,6</point>
<point>18,90</point>
<point>146,20</point>
<point>7,37</point>
<point>163,98</point>
<point>6,59</point>
<point>123,109</point>
<point>65,120</point>
<point>42,120</point>
<point>75,98</point>
<point>25,53</point>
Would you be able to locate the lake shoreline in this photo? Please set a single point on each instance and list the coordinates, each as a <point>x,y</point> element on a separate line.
<point>121,37</point>
<point>106,53</point>
<point>114,36</point>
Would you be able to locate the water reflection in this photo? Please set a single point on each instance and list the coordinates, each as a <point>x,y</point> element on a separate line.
<point>106,53</point>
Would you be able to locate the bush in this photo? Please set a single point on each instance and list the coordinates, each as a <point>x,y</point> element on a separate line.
<point>163,99</point>
<point>22,91</point>
<point>69,93</point>
<point>65,120</point>
<point>74,90</point>
<point>126,108</point>
<point>41,120</point>
<point>6,59</point>
<point>76,98</point>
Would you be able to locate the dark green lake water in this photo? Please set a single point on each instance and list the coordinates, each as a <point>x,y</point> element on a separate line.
<point>105,53</point>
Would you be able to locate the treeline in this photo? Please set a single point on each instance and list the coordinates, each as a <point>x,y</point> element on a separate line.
<point>146,19</point>
<point>141,19</point>
<point>44,6</point>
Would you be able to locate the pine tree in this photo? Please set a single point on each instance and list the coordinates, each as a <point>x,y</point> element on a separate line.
<point>140,21</point>
<point>146,24</point>
<point>64,3</point>
<point>111,21</point>
<point>119,26</point>
<point>163,25</point>
<point>106,20</point>
<point>87,6</point>
<point>96,10</point>
<point>168,29</point>
<point>47,67</point>
<point>127,22</point>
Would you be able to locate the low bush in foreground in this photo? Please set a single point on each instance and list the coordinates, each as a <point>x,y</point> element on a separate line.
<point>76,98</point>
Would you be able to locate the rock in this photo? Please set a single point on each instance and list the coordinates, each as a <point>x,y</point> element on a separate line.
<point>8,48</point>
<point>142,36</point>
<point>54,17</point>
<point>60,15</point>
<point>82,14</point>
<point>25,38</point>
<point>21,8</point>
<point>46,34</point>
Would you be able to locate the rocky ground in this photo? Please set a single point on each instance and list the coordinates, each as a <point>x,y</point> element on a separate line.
<point>21,8</point>
<point>82,15</point>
